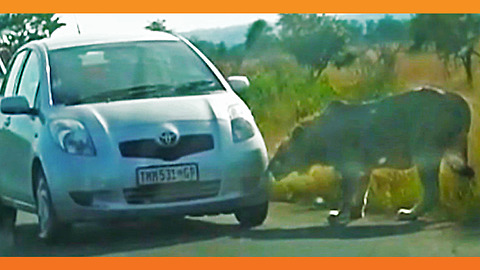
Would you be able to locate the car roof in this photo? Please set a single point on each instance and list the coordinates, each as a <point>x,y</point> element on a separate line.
<point>55,43</point>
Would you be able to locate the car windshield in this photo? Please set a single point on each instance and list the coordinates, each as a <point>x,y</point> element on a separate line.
<point>129,70</point>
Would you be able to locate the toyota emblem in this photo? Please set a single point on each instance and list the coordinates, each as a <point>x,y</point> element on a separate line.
<point>168,139</point>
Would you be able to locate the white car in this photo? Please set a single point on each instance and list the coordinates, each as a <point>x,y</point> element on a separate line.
<point>122,127</point>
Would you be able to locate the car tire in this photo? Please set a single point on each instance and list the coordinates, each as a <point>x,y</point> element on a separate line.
<point>50,229</point>
<point>8,217</point>
<point>252,216</point>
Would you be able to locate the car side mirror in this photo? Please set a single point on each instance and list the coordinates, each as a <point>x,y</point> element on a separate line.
<point>15,105</point>
<point>239,83</point>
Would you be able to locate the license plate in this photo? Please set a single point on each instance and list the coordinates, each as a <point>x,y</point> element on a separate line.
<point>167,174</point>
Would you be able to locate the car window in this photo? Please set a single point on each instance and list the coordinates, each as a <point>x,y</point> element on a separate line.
<point>130,70</point>
<point>30,79</point>
<point>13,74</point>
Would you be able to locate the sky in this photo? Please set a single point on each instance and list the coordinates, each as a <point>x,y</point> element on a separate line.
<point>104,23</point>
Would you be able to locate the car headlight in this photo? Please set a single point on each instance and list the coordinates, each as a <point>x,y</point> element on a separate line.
<point>72,137</point>
<point>242,129</point>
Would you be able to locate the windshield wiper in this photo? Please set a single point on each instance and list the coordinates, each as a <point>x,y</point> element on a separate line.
<point>200,85</point>
<point>135,91</point>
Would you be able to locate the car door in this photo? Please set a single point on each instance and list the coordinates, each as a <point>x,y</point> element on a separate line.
<point>8,89</point>
<point>20,132</point>
<point>24,131</point>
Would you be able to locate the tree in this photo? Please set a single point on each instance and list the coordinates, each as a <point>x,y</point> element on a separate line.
<point>259,36</point>
<point>18,29</point>
<point>355,30</point>
<point>313,40</point>
<point>158,25</point>
<point>451,35</point>
<point>387,30</point>
<point>216,52</point>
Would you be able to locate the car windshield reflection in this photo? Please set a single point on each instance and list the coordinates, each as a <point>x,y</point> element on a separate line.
<point>129,70</point>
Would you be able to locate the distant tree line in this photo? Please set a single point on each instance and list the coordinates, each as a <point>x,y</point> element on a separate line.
<point>314,40</point>
<point>317,41</point>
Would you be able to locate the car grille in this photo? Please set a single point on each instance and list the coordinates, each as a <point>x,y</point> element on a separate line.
<point>170,192</point>
<point>149,148</point>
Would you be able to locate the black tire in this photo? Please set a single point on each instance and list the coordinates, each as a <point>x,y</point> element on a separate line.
<point>8,216</point>
<point>50,229</point>
<point>252,216</point>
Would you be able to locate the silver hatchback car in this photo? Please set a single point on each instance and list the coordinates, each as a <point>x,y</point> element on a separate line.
<point>123,127</point>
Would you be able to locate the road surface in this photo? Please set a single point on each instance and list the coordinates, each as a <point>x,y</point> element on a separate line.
<point>290,230</point>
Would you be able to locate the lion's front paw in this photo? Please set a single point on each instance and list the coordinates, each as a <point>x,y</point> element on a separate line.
<point>337,218</point>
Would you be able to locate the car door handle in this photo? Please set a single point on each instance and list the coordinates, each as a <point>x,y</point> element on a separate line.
<point>7,122</point>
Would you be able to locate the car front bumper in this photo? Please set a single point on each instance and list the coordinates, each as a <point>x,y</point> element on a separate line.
<point>69,212</point>
<point>103,182</point>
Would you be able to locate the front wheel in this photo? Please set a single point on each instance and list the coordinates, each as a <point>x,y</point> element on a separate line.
<point>252,216</point>
<point>50,228</point>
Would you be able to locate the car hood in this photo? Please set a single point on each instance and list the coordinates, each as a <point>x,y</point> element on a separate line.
<point>152,111</point>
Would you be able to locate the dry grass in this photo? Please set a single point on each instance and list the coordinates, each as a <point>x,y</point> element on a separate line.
<point>420,69</point>
<point>320,181</point>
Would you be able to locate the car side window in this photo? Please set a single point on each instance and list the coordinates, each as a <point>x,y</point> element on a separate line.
<point>13,74</point>
<point>30,79</point>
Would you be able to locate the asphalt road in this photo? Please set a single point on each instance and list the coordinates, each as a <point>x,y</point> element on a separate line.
<point>290,230</point>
